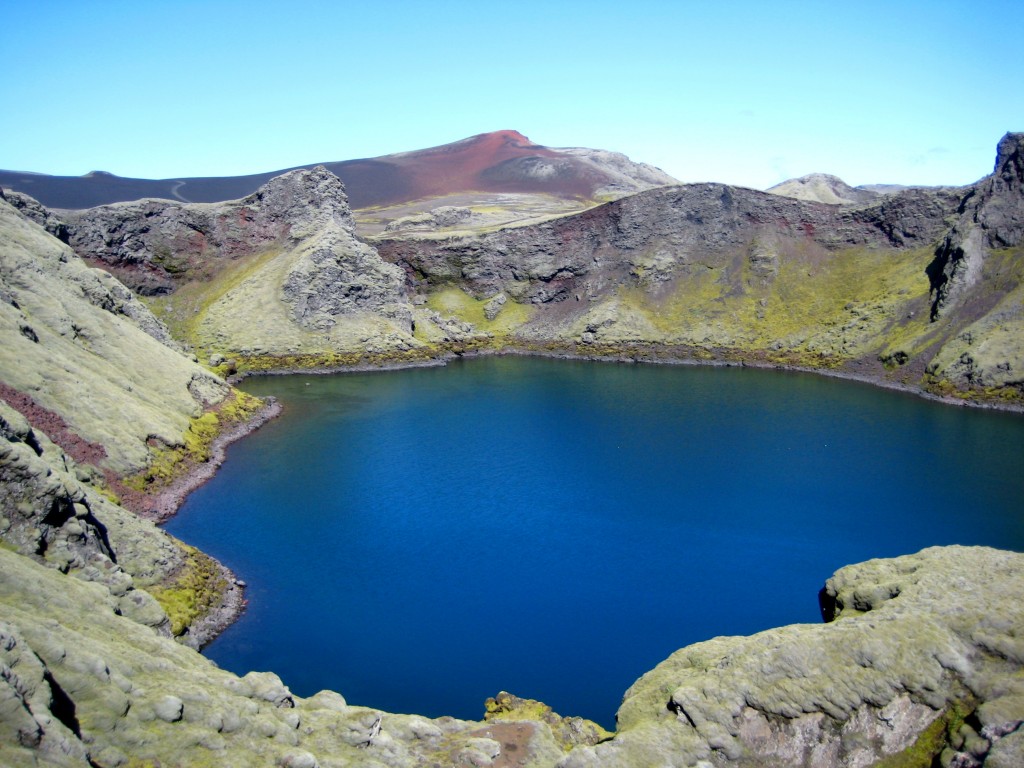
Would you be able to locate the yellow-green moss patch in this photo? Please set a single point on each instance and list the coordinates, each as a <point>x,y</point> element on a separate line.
<point>184,310</point>
<point>193,592</point>
<point>453,302</point>
<point>170,463</point>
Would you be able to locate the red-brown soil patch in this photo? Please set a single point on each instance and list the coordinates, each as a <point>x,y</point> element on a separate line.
<point>53,426</point>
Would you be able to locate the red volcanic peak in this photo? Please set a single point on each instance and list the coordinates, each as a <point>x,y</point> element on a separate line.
<point>462,166</point>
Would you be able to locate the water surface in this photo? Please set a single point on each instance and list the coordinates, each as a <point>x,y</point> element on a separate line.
<point>419,540</point>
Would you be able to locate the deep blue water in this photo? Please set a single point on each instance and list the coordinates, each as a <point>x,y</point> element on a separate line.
<point>420,540</point>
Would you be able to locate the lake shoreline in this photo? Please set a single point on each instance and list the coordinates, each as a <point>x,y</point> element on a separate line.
<point>511,351</point>
<point>166,504</point>
<point>233,602</point>
<point>781,447</point>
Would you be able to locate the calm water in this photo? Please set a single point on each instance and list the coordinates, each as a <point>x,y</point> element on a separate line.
<point>420,540</point>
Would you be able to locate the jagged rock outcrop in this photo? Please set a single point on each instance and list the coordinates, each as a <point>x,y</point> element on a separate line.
<point>277,273</point>
<point>724,272</point>
<point>976,275</point>
<point>664,231</point>
<point>991,217</point>
<point>701,270</point>
<point>334,274</point>
<point>32,210</point>
<point>146,243</point>
<point>702,266</point>
<point>53,517</point>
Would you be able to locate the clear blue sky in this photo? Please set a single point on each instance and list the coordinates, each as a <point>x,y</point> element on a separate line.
<point>747,93</point>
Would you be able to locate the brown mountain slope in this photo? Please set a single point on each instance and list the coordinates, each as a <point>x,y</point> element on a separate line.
<point>497,162</point>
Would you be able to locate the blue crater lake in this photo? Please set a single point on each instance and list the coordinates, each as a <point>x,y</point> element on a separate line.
<point>419,540</point>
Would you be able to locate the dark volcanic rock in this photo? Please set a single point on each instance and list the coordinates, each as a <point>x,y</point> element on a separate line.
<point>685,224</point>
<point>33,210</point>
<point>991,216</point>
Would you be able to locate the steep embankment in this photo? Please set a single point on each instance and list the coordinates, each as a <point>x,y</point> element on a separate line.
<point>919,289</point>
<point>85,365</point>
<point>279,273</point>
<point>80,347</point>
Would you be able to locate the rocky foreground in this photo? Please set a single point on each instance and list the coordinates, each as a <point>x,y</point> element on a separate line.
<point>921,660</point>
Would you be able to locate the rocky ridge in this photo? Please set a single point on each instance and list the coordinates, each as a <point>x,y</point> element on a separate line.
<point>145,243</point>
<point>73,338</point>
<point>293,277</point>
<point>699,270</point>
<point>728,273</point>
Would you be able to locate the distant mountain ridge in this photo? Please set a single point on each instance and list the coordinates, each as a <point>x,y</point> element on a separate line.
<point>497,162</point>
<point>826,188</point>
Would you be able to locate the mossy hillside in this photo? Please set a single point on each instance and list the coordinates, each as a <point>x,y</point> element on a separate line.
<point>184,309</point>
<point>74,340</point>
<point>171,461</point>
<point>242,314</point>
<point>815,306</point>
<point>981,359</point>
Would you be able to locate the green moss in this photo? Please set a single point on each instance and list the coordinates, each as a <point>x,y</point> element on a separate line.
<point>193,591</point>
<point>933,739</point>
<point>813,308</point>
<point>169,463</point>
<point>569,732</point>
<point>1001,395</point>
<point>184,310</point>
<point>108,493</point>
<point>453,302</point>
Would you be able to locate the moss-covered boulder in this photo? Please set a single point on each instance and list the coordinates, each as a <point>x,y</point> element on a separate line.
<point>921,661</point>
